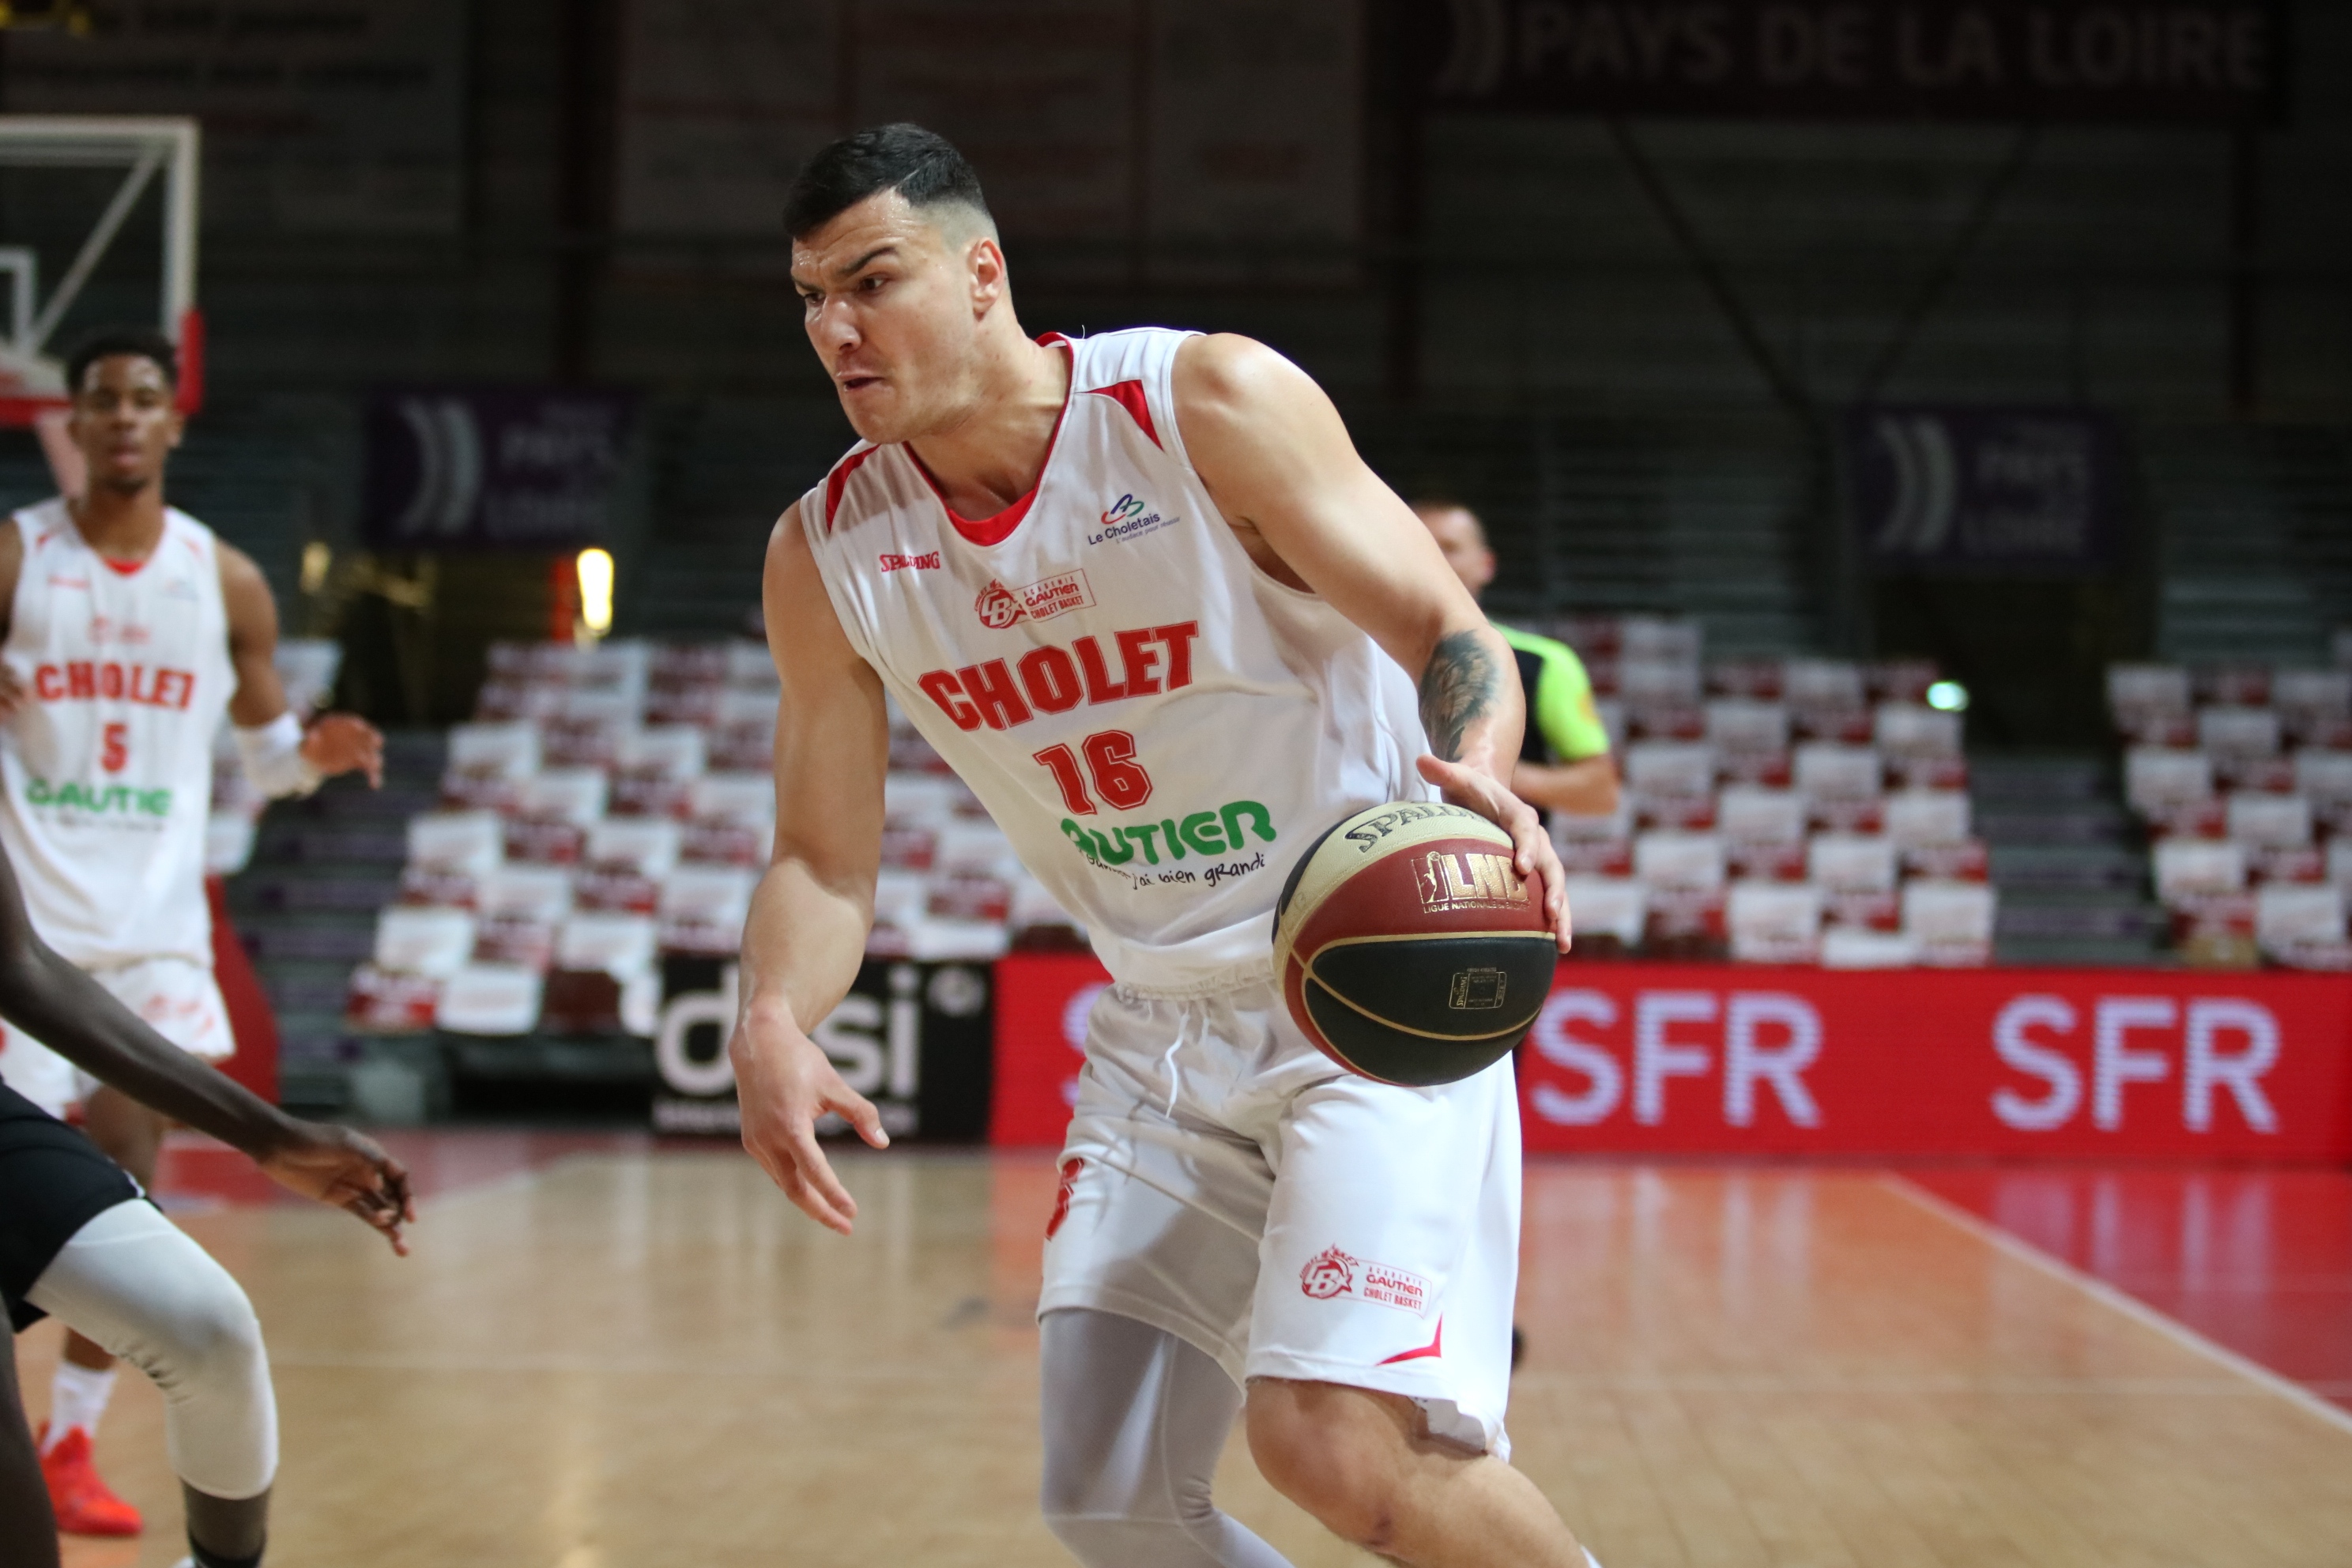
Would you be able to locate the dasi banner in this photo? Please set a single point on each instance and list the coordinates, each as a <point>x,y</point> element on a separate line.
<point>912,1038</point>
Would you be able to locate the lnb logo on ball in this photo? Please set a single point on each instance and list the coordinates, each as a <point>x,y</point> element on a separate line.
<point>1450,879</point>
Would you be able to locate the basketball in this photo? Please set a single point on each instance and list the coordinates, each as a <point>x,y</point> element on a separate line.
<point>1410,949</point>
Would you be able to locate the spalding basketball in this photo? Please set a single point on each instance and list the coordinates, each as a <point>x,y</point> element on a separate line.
<point>1409,949</point>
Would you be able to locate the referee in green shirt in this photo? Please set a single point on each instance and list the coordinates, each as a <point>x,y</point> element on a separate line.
<point>1564,761</point>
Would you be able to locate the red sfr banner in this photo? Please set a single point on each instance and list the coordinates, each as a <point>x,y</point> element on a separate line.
<point>1724,1059</point>
<point>1042,1001</point>
<point>2118,1063</point>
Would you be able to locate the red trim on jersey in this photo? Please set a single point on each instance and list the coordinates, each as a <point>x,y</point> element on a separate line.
<point>1433,1348</point>
<point>987,530</point>
<point>838,480</point>
<point>125,568</point>
<point>1128,394</point>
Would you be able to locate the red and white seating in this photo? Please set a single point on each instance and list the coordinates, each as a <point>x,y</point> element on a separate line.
<point>1748,839</point>
<point>2242,775</point>
<point>613,804</point>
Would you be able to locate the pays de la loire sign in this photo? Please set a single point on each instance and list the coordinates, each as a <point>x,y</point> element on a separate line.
<point>1985,491</point>
<point>2180,61</point>
<point>493,467</point>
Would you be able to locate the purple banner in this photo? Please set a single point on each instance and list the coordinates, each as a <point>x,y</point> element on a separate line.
<point>493,467</point>
<point>2161,62</point>
<point>2014,492</point>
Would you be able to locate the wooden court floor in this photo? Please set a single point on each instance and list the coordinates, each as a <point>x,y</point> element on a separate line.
<point>648,1358</point>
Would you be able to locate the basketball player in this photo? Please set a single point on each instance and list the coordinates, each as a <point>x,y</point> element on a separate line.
<point>1564,763</point>
<point>77,1239</point>
<point>126,629</point>
<point>1142,593</point>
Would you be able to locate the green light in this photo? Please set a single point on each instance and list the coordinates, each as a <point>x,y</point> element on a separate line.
<point>1949,697</point>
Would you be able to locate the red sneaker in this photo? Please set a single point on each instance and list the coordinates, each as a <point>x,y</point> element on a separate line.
<point>83,1503</point>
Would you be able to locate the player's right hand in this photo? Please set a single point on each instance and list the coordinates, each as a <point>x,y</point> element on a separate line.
<point>784,1082</point>
<point>338,1166</point>
<point>345,742</point>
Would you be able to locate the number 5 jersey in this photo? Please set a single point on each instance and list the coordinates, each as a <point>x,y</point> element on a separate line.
<point>124,674</point>
<point>1160,727</point>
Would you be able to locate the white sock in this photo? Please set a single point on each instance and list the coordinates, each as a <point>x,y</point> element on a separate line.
<point>78,1397</point>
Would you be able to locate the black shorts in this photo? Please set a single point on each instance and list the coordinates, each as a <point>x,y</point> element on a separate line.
<point>53,1182</point>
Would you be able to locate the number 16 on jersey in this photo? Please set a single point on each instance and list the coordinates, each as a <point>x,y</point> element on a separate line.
<point>1117,777</point>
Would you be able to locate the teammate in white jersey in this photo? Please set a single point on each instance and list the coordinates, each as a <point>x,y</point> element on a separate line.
<point>126,631</point>
<point>1142,595</point>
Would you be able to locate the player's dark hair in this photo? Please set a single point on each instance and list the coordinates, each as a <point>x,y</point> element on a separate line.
<point>921,166</point>
<point>143,342</point>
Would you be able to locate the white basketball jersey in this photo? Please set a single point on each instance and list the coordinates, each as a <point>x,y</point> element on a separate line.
<point>108,765</point>
<point>1160,727</point>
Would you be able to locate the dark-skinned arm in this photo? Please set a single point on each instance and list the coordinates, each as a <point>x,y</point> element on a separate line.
<point>75,1016</point>
<point>333,742</point>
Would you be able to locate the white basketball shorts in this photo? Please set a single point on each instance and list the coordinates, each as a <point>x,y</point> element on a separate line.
<point>1227,1182</point>
<point>176,996</point>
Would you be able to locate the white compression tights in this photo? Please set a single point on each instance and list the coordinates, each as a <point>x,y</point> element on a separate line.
<point>1135,1420</point>
<point>133,1282</point>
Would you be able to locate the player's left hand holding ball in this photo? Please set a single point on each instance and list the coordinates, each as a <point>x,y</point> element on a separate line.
<point>1532,853</point>
<point>341,743</point>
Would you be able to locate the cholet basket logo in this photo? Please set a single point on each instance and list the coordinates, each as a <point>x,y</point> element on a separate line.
<point>1000,606</point>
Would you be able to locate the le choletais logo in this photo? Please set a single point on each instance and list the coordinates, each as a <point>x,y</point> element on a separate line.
<point>1129,517</point>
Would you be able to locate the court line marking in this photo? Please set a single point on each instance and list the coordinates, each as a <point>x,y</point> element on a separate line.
<point>521,1179</point>
<point>797,1370</point>
<point>2216,1387</point>
<point>491,1187</point>
<point>570,1362</point>
<point>2132,1307</point>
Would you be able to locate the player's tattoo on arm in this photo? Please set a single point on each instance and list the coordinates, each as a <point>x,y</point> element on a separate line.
<point>1457,689</point>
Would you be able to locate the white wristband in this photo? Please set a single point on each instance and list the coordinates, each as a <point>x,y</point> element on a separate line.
<point>274,763</point>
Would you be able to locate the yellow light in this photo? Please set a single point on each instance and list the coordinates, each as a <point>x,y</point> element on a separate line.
<point>595,568</point>
<point>317,561</point>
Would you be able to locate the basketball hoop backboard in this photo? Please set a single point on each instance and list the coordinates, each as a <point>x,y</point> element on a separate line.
<point>32,376</point>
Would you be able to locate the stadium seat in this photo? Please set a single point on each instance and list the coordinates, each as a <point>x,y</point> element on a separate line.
<point>1775,922</point>
<point>1610,913</point>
